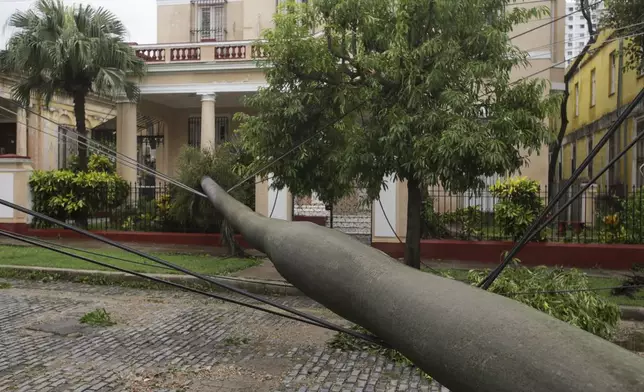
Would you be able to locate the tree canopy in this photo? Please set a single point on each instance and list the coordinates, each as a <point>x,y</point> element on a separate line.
<point>628,17</point>
<point>417,89</point>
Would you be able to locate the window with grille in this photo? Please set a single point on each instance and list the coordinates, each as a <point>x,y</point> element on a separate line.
<point>194,131</point>
<point>612,77</point>
<point>222,124</point>
<point>593,85</point>
<point>67,146</point>
<point>576,99</point>
<point>209,21</point>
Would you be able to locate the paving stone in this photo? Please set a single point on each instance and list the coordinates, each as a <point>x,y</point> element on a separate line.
<point>184,333</point>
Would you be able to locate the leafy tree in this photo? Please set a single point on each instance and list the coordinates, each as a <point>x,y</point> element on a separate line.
<point>628,16</point>
<point>227,165</point>
<point>71,51</point>
<point>397,87</point>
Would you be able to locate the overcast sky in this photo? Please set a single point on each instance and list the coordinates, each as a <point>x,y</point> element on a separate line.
<point>139,16</point>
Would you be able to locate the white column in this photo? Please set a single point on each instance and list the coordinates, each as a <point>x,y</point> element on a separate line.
<point>280,203</point>
<point>208,132</point>
<point>126,140</point>
<point>21,132</point>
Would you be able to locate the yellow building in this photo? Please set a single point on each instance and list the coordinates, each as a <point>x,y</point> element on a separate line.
<point>598,90</point>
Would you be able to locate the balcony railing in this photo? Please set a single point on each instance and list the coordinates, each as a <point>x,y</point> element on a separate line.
<point>200,52</point>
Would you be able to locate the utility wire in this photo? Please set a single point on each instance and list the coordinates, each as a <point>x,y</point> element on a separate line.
<point>52,244</point>
<point>583,38</point>
<point>589,52</point>
<point>129,162</point>
<point>535,226</point>
<point>182,269</point>
<point>297,146</point>
<point>552,21</point>
<point>326,325</point>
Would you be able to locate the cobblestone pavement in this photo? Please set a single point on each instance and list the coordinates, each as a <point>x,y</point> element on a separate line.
<point>169,341</point>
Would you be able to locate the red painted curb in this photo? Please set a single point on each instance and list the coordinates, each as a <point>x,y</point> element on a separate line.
<point>607,256</point>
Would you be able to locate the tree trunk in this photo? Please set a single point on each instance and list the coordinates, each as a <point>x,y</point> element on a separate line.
<point>79,113</point>
<point>555,148</point>
<point>414,206</point>
<point>434,321</point>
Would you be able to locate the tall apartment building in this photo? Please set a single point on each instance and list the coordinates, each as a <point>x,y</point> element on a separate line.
<point>577,27</point>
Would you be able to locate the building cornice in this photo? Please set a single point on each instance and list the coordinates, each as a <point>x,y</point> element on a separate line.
<point>201,88</point>
<point>182,2</point>
<point>213,66</point>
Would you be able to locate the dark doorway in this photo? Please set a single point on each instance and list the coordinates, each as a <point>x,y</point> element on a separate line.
<point>7,138</point>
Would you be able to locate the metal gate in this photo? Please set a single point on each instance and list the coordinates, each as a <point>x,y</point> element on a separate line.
<point>351,215</point>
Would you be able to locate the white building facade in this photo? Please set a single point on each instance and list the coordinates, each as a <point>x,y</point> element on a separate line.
<point>577,27</point>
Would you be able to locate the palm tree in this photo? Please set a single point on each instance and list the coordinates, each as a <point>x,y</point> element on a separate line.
<point>70,51</point>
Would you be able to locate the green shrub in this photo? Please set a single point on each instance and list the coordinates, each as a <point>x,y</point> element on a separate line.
<point>585,309</point>
<point>432,222</point>
<point>632,217</point>
<point>467,220</point>
<point>64,194</point>
<point>225,164</point>
<point>519,205</point>
<point>611,230</point>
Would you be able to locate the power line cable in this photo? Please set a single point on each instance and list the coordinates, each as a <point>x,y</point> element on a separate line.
<point>535,226</point>
<point>96,253</point>
<point>306,320</point>
<point>130,163</point>
<point>591,51</point>
<point>179,268</point>
<point>582,38</point>
<point>94,145</point>
<point>297,146</point>
<point>552,21</point>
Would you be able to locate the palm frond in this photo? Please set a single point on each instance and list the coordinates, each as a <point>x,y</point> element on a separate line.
<point>59,49</point>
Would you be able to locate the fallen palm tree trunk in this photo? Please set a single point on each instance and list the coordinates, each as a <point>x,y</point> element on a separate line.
<point>465,337</point>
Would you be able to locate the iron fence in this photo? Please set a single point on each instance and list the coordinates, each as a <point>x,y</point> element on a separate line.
<point>145,209</point>
<point>599,215</point>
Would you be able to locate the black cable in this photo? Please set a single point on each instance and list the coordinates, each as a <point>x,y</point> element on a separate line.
<point>552,21</point>
<point>179,268</point>
<point>93,253</point>
<point>330,326</point>
<point>583,189</point>
<point>274,203</point>
<point>535,226</point>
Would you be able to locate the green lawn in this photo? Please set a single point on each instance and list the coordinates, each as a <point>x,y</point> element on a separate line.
<point>594,282</point>
<point>38,257</point>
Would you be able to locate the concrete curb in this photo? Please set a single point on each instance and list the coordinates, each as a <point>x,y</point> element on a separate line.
<point>256,286</point>
<point>633,313</point>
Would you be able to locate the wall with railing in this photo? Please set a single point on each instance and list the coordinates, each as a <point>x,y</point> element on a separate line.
<point>201,51</point>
